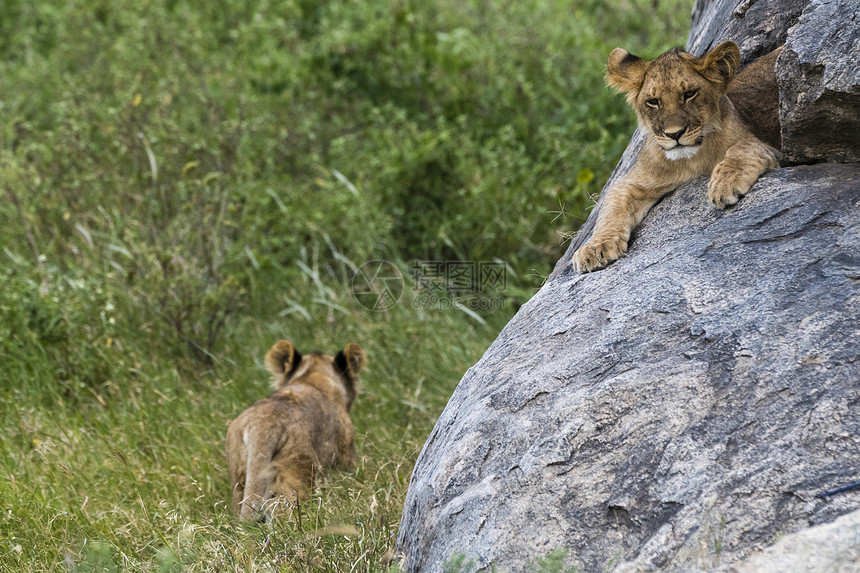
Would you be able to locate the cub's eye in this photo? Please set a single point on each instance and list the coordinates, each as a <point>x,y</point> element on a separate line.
<point>690,95</point>
<point>652,102</point>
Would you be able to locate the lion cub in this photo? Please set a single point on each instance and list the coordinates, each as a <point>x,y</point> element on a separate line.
<point>283,444</point>
<point>684,106</point>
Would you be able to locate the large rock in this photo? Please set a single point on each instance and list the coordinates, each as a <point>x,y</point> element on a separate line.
<point>683,408</point>
<point>677,410</point>
<point>819,79</point>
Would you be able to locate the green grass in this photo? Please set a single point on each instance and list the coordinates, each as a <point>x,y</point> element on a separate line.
<point>130,468</point>
<point>184,183</point>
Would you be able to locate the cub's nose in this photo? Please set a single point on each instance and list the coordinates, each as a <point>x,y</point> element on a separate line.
<point>676,135</point>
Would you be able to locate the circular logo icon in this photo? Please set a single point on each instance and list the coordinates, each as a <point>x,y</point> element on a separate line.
<point>377,285</point>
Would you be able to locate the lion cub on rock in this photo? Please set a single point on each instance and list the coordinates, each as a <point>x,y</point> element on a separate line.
<point>283,444</point>
<point>684,105</point>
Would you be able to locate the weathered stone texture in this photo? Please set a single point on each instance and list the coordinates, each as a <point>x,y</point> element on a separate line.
<point>757,26</point>
<point>830,548</point>
<point>678,409</point>
<point>819,82</point>
<point>681,409</point>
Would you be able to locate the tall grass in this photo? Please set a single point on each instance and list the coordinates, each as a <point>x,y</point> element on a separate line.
<point>184,183</point>
<point>126,466</point>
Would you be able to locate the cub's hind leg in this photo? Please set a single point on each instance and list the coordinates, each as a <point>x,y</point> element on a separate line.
<point>744,162</point>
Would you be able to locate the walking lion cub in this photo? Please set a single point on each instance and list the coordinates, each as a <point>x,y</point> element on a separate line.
<point>686,107</point>
<point>282,445</point>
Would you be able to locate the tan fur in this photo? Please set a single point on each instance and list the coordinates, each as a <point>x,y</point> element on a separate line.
<point>283,445</point>
<point>684,107</point>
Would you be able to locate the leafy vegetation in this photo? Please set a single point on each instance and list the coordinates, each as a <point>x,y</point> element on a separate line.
<point>184,183</point>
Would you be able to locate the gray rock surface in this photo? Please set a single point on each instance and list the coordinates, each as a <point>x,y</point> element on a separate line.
<point>756,26</point>
<point>818,73</point>
<point>682,409</point>
<point>677,410</point>
<point>831,548</point>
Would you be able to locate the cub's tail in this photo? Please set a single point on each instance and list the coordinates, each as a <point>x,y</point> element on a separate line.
<point>256,490</point>
<point>269,482</point>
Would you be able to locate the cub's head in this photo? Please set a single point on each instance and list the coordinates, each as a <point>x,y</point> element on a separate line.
<point>677,96</point>
<point>288,365</point>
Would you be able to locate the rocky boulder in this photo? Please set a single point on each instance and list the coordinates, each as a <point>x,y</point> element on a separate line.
<point>678,409</point>
<point>686,407</point>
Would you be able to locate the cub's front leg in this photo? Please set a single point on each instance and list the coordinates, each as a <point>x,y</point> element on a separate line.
<point>744,162</point>
<point>623,208</point>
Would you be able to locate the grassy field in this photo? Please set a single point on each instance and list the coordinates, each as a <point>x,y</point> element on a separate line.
<point>184,183</point>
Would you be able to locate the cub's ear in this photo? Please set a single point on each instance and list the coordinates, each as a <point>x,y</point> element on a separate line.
<point>282,358</point>
<point>624,71</point>
<point>351,359</point>
<point>720,64</point>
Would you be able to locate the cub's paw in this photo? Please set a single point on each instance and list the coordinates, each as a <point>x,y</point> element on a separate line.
<point>597,253</point>
<point>727,185</point>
